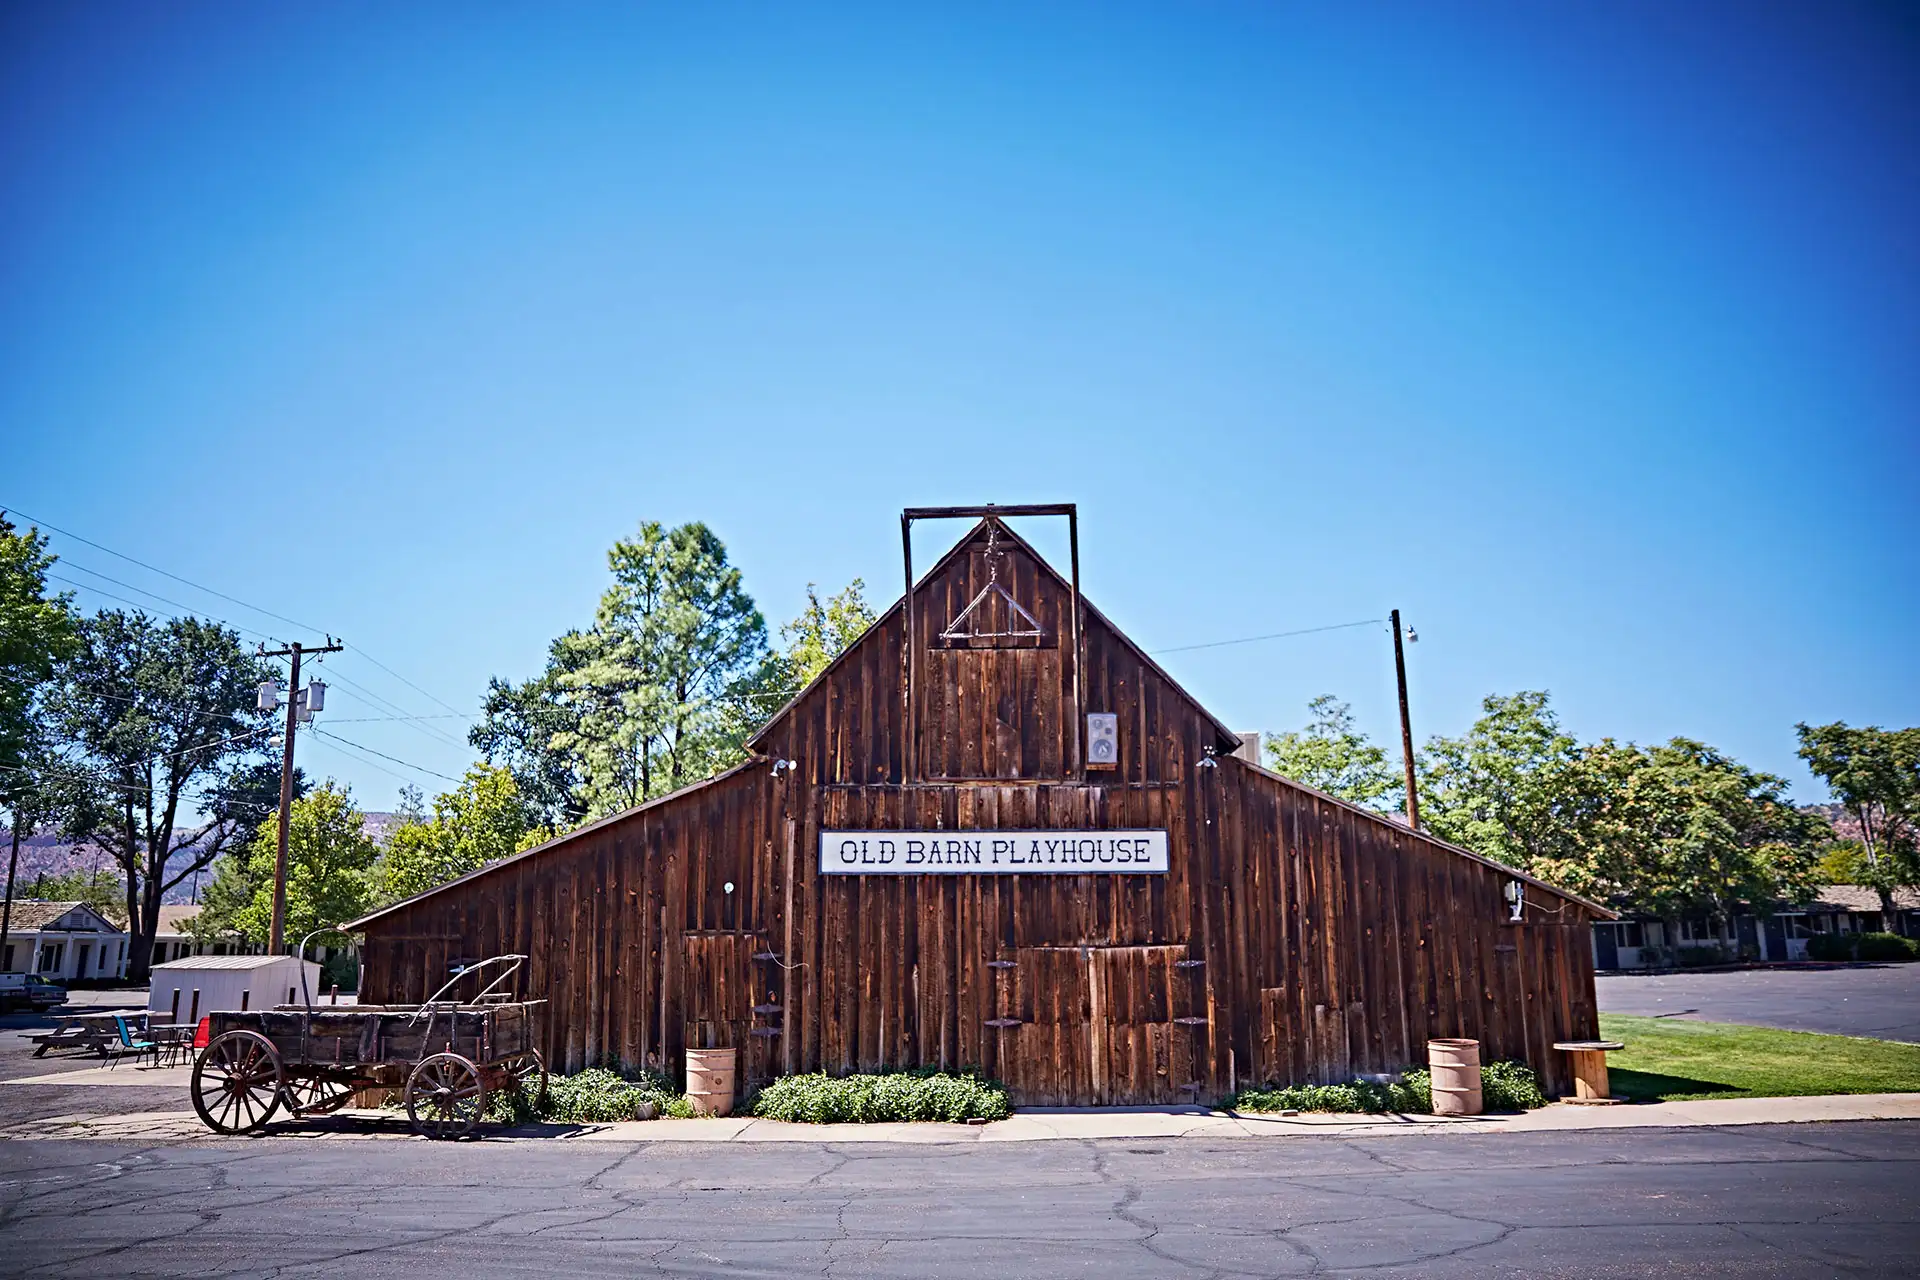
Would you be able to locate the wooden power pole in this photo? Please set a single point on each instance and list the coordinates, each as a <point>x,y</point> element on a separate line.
<point>1406,722</point>
<point>277,932</point>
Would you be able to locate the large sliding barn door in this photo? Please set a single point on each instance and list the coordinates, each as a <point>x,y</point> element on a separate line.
<point>1102,1026</point>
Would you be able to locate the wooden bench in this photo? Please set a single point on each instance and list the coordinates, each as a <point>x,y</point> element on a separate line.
<point>1590,1087</point>
<point>89,1032</point>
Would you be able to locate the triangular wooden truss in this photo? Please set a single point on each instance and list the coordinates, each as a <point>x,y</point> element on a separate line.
<point>1032,631</point>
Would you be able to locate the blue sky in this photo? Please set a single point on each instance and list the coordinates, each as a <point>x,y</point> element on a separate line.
<point>1585,334</point>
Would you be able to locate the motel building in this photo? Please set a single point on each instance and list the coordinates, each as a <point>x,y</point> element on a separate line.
<point>996,834</point>
<point>63,942</point>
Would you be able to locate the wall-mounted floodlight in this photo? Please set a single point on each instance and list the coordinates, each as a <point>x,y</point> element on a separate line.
<point>1516,898</point>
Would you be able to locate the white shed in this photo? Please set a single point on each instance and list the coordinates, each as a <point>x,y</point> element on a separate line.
<point>186,990</point>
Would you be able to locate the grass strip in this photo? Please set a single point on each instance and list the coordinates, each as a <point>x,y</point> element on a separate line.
<point>1670,1059</point>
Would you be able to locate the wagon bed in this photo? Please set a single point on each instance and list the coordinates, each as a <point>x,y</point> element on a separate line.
<point>445,1057</point>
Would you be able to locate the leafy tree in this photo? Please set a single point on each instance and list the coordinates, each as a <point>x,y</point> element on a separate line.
<point>36,633</point>
<point>329,854</point>
<point>520,727</point>
<point>1492,789</point>
<point>677,643</point>
<point>482,820</point>
<point>1875,773</point>
<point>159,727</point>
<point>1334,757</point>
<point>1667,830</point>
<point>823,631</point>
<point>1674,829</point>
<point>103,891</point>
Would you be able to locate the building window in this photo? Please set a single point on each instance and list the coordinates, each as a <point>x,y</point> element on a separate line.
<point>51,955</point>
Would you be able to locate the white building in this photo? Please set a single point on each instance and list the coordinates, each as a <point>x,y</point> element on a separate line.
<point>63,942</point>
<point>186,990</point>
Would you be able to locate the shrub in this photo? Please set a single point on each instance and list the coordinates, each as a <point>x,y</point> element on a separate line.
<point>598,1095</point>
<point>1504,1086</point>
<point>922,1094</point>
<point>1510,1086</point>
<point>1701,955</point>
<point>1877,947</point>
<point>341,971</point>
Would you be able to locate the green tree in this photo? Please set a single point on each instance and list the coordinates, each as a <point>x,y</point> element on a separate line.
<point>482,820</point>
<point>1675,829</point>
<point>165,763</point>
<point>823,631</point>
<point>522,727</point>
<point>36,634</point>
<point>99,889</point>
<point>676,645</point>
<point>1492,789</point>
<point>1875,773</point>
<point>1332,756</point>
<point>329,856</point>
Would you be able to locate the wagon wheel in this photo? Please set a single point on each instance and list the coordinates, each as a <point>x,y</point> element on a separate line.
<point>445,1096</point>
<point>527,1076</point>
<point>237,1081</point>
<point>318,1095</point>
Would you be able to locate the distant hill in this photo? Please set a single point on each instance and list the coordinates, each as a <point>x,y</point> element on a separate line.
<point>45,853</point>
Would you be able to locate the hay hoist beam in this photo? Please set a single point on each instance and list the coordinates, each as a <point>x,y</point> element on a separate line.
<point>909,765</point>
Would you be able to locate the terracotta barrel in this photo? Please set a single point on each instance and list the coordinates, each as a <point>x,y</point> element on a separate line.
<point>710,1080</point>
<point>1455,1066</point>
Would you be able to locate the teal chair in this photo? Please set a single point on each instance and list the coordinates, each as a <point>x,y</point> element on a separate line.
<point>131,1044</point>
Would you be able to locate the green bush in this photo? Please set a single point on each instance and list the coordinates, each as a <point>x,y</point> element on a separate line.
<point>1510,1086</point>
<point>923,1094</point>
<point>1701,955</point>
<point>1887,947</point>
<point>1504,1086</point>
<point>597,1095</point>
<point>1877,947</point>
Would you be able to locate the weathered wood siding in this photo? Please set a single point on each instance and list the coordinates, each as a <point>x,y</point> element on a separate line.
<point>1294,938</point>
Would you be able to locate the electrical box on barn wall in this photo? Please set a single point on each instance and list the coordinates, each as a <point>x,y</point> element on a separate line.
<point>1103,740</point>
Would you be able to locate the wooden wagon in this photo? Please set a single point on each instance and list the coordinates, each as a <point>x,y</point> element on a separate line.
<point>445,1057</point>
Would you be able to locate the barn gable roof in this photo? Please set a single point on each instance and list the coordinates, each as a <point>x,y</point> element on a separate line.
<point>1228,738</point>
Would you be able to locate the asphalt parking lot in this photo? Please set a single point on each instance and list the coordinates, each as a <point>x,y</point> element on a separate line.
<point>1880,1001</point>
<point>1789,1200</point>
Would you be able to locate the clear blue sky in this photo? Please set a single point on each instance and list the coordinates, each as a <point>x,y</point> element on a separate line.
<point>1586,335</point>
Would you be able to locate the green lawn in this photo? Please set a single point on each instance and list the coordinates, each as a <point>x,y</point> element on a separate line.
<point>1668,1058</point>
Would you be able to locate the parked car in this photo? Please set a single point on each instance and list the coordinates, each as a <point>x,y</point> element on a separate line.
<point>29,991</point>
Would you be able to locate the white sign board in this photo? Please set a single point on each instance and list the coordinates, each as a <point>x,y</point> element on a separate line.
<point>992,853</point>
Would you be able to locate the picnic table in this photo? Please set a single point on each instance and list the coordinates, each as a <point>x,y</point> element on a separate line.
<point>94,1032</point>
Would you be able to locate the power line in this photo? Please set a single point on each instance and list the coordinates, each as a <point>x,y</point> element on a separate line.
<point>1277,635</point>
<point>197,586</point>
<point>278,617</point>
<point>348,742</point>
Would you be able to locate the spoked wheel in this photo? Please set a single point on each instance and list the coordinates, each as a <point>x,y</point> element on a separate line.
<point>445,1096</point>
<point>319,1095</point>
<point>237,1081</point>
<point>527,1076</point>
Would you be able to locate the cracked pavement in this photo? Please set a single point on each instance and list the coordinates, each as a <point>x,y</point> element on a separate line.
<point>1808,1199</point>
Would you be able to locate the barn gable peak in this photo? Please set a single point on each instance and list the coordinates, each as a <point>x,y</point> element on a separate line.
<point>994,674</point>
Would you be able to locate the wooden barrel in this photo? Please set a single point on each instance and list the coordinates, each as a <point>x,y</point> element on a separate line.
<point>1455,1066</point>
<point>710,1080</point>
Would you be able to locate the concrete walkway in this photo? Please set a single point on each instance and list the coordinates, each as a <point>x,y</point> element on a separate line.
<point>1042,1124</point>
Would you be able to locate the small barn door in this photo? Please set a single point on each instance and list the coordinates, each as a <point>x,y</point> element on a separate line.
<point>722,997</point>
<point>1103,1026</point>
<point>1148,1021</point>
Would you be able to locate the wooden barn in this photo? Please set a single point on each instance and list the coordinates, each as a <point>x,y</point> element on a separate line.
<point>995,833</point>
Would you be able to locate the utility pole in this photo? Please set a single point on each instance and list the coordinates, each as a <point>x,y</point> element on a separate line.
<point>296,703</point>
<point>1406,722</point>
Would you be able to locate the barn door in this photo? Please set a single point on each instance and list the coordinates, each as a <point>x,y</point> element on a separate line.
<point>724,1001</point>
<point>1103,1026</point>
<point>1146,1025</point>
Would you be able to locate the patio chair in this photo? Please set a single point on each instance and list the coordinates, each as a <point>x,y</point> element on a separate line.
<point>130,1044</point>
